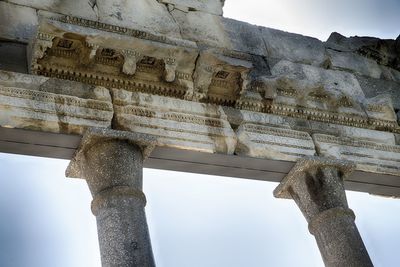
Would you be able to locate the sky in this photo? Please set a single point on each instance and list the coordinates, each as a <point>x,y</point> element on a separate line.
<point>197,220</point>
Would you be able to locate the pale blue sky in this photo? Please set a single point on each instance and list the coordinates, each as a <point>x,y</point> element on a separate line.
<point>196,220</point>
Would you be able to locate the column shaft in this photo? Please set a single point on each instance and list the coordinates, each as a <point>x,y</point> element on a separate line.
<point>316,185</point>
<point>338,238</point>
<point>113,171</point>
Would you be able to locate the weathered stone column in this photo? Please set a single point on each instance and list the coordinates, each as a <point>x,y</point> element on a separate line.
<point>316,185</point>
<point>112,163</point>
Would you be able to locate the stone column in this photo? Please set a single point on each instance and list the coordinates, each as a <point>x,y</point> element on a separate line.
<point>316,185</point>
<point>112,163</point>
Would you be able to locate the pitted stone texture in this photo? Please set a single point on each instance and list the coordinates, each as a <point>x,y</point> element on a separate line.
<point>52,105</point>
<point>368,156</point>
<point>112,165</point>
<point>208,6</point>
<point>320,182</point>
<point>176,123</point>
<point>17,22</point>
<point>316,185</point>
<point>293,47</point>
<point>94,135</point>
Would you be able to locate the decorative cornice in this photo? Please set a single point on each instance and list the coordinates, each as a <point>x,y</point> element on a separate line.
<point>181,70</point>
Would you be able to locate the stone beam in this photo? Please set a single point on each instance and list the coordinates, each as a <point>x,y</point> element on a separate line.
<point>316,185</point>
<point>111,162</point>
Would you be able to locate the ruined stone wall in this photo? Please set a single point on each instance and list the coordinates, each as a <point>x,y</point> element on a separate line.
<point>179,70</point>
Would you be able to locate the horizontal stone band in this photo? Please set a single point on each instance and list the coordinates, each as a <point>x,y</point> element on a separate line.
<point>104,198</point>
<point>329,215</point>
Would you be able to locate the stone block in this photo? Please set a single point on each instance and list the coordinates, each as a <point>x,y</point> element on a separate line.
<point>176,123</point>
<point>237,117</point>
<point>244,37</point>
<point>318,90</point>
<point>209,6</point>
<point>368,156</point>
<point>17,23</point>
<point>373,87</point>
<point>354,63</point>
<point>147,15</point>
<point>350,132</point>
<point>203,28</point>
<point>261,141</point>
<point>308,78</point>
<point>52,105</point>
<point>384,52</point>
<point>293,47</point>
<point>215,31</point>
<point>78,8</point>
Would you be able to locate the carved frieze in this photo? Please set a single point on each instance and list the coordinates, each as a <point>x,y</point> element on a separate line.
<point>369,156</point>
<point>271,141</point>
<point>31,102</point>
<point>176,123</point>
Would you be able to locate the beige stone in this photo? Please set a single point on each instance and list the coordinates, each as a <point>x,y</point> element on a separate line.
<point>368,156</point>
<point>176,123</point>
<point>50,105</point>
<point>260,141</point>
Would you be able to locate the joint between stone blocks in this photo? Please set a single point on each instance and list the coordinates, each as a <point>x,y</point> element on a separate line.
<point>104,198</point>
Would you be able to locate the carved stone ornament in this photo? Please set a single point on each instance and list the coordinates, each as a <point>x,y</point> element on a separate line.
<point>113,56</point>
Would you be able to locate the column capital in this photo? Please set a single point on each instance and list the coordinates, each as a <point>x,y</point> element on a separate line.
<point>309,165</point>
<point>93,136</point>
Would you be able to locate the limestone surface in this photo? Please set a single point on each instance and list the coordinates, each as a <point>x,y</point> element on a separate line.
<point>52,105</point>
<point>176,123</point>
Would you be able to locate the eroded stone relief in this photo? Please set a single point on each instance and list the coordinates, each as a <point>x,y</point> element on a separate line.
<point>208,83</point>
